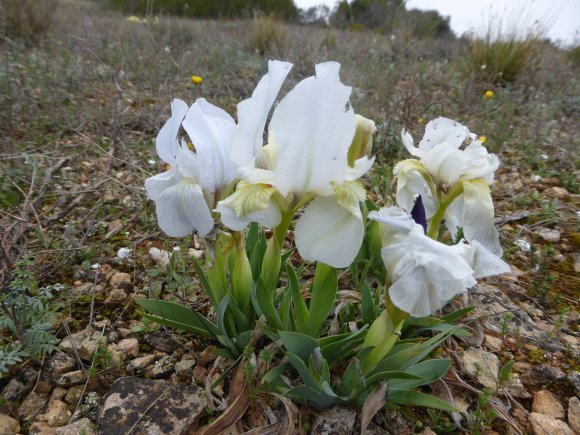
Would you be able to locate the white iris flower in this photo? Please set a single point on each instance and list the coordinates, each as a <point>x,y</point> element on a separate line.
<point>185,195</point>
<point>451,160</point>
<point>304,162</point>
<point>425,274</point>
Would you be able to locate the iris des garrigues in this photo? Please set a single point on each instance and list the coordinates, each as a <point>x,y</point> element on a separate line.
<point>304,164</point>
<point>452,174</point>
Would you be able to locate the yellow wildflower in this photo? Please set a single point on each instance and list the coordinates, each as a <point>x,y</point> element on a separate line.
<point>488,95</point>
<point>482,139</point>
<point>134,19</point>
<point>196,79</point>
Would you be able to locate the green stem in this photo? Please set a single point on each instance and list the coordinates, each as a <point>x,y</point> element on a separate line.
<point>428,180</point>
<point>272,258</point>
<point>444,202</point>
<point>242,275</point>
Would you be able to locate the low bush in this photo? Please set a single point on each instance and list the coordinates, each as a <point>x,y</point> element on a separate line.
<point>267,34</point>
<point>501,56</point>
<point>29,20</point>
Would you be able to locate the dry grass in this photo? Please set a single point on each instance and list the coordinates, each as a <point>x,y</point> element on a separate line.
<point>510,46</point>
<point>502,59</point>
<point>267,35</point>
<point>29,20</point>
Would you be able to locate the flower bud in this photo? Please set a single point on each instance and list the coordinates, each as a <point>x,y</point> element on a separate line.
<point>362,143</point>
<point>242,279</point>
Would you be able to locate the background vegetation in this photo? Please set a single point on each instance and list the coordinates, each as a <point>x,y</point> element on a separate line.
<point>84,91</point>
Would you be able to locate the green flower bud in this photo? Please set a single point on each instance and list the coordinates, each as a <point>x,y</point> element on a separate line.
<point>362,143</point>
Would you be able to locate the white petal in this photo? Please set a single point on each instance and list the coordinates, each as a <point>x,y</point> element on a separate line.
<point>407,140</point>
<point>483,262</point>
<point>361,167</point>
<point>425,274</point>
<point>479,164</point>
<point>270,217</point>
<point>443,130</point>
<point>166,142</point>
<point>187,162</point>
<point>478,216</point>
<point>454,216</point>
<point>253,113</point>
<point>249,203</point>
<point>182,209</point>
<point>409,185</point>
<point>329,233</point>
<point>258,176</point>
<point>445,163</point>
<point>313,127</point>
<point>157,184</point>
<point>211,130</point>
<point>393,217</point>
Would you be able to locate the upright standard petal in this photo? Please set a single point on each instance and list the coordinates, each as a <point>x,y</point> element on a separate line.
<point>166,142</point>
<point>329,233</point>
<point>211,130</point>
<point>253,113</point>
<point>313,127</point>
<point>181,209</point>
<point>187,162</point>
<point>407,140</point>
<point>445,163</point>
<point>479,163</point>
<point>478,213</point>
<point>410,183</point>
<point>443,130</point>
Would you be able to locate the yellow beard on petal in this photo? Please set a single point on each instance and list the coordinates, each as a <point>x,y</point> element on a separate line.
<point>249,198</point>
<point>349,194</point>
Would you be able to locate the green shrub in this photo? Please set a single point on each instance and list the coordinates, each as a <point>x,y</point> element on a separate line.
<point>29,20</point>
<point>501,57</point>
<point>389,15</point>
<point>27,316</point>
<point>573,55</point>
<point>284,9</point>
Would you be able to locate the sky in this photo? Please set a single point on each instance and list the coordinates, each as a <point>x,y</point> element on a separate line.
<point>560,17</point>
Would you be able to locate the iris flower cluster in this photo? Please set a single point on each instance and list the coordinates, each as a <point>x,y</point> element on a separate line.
<point>307,162</point>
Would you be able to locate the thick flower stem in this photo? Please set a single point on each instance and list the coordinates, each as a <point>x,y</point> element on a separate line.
<point>272,259</point>
<point>446,200</point>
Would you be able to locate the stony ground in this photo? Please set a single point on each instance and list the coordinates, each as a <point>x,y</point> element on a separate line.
<point>80,112</point>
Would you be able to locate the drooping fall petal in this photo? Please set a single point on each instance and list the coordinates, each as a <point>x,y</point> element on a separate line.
<point>182,209</point>
<point>329,233</point>
<point>478,212</point>
<point>425,273</point>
